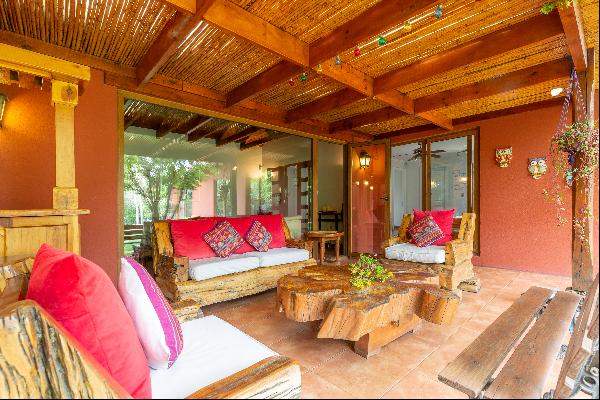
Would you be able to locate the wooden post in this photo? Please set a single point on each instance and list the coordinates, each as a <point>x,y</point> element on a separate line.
<point>64,99</point>
<point>583,197</point>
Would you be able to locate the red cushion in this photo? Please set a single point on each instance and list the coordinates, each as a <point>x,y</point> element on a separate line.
<point>188,239</point>
<point>425,231</point>
<point>443,218</point>
<point>81,297</point>
<point>242,226</point>
<point>274,224</point>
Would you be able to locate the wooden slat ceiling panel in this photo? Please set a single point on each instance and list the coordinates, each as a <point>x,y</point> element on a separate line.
<point>463,20</point>
<point>589,11</point>
<point>513,98</point>
<point>117,30</point>
<point>360,107</point>
<point>215,59</point>
<point>286,97</point>
<point>307,20</point>
<point>522,58</point>
<point>395,124</point>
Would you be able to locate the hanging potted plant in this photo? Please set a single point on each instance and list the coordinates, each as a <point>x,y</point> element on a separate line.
<point>574,157</point>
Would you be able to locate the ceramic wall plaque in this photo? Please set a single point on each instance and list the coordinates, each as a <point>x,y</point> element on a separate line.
<point>537,167</point>
<point>504,157</point>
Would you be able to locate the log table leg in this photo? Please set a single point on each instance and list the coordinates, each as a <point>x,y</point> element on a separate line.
<point>372,343</point>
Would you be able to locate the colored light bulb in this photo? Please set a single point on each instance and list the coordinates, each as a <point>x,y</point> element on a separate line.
<point>381,40</point>
<point>338,60</point>
<point>303,77</point>
<point>356,51</point>
<point>439,12</point>
<point>291,82</point>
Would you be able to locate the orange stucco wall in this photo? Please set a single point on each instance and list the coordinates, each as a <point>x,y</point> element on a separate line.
<point>27,161</point>
<point>518,228</point>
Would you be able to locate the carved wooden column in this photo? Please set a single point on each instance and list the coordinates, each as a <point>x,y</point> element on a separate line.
<point>64,100</point>
<point>583,196</point>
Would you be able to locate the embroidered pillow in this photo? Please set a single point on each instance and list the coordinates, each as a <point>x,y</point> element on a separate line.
<point>224,239</point>
<point>443,219</point>
<point>425,232</point>
<point>258,236</point>
<point>156,324</point>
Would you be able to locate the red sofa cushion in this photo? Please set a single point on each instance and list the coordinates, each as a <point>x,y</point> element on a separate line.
<point>443,218</point>
<point>82,298</point>
<point>188,237</point>
<point>274,224</point>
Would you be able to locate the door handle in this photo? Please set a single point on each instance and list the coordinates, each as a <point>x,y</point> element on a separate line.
<point>385,198</point>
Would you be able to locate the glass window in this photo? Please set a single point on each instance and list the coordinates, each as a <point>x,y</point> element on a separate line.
<point>449,178</point>
<point>406,182</point>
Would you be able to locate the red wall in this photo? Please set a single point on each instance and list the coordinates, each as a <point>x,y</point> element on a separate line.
<point>27,170</point>
<point>518,228</point>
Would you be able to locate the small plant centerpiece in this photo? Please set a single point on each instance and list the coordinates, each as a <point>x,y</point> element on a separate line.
<point>367,270</point>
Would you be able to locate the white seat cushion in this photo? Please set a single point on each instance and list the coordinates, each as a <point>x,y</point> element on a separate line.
<point>212,350</point>
<point>283,255</point>
<point>412,252</point>
<point>206,268</point>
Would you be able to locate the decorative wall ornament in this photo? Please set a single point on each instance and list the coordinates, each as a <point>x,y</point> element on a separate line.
<point>537,167</point>
<point>504,157</point>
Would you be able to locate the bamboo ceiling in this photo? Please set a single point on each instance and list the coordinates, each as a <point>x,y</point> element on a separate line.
<point>220,61</point>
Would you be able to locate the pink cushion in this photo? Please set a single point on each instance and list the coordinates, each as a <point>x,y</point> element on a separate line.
<point>224,239</point>
<point>157,326</point>
<point>443,218</point>
<point>274,224</point>
<point>258,236</point>
<point>187,236</point>
<point>425,231</point>
<point>81,297</point>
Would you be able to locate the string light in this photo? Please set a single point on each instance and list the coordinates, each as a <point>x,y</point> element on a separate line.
<point>303,77</point>
<point>381,40</point>
<point>319,69</point>
<point>357,51</point>
<point>291,82</point>
<point>439,12</point>
<point>338,60</point>
<point>407,27</point>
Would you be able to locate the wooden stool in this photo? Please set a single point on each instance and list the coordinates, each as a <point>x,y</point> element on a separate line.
<point>324,236</point>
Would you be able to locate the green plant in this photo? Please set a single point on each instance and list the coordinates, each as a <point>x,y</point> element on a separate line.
<point>574,156</point>
<point>549,6</point>
<point>366,271</point>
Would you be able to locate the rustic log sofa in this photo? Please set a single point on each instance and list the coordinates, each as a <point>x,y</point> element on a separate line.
<point>40,359</point>
<point>452,263</point>
<point>178,280</point>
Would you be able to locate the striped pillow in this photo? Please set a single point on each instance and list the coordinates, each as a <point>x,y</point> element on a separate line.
<point>156,324</point>
<point>425,232</point>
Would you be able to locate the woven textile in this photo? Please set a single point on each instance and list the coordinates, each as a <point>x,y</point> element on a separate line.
<point>258,236</point>
<point>425,232</point>
<point>223,239</point>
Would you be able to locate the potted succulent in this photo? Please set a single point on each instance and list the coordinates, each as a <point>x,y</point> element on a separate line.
<point>367,270</point>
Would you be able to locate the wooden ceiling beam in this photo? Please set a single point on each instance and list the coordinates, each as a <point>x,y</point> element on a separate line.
<point>195,125</point>
<point>324,104</point>
<point>244,133</point>
<point>528,32</point>
<point>372,22</point>
<point>572,23</point>
<point>227,16</point>
<point>173,34</point>
<point>373,117</point>
<point>558,69</point>
<point>187,6</point>
<point>254,143</point>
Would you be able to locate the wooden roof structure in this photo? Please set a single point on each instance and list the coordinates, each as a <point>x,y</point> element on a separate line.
<point>317,67</point>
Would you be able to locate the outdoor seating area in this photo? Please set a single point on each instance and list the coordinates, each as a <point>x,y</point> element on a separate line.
<point>299,199</point>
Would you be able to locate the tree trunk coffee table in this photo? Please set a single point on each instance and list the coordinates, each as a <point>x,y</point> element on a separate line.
<point>372,317</point>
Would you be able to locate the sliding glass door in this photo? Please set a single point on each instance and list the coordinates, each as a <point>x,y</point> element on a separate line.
<point>435,173</point>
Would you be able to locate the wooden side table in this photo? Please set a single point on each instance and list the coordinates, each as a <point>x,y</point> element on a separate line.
<point>325,236</point>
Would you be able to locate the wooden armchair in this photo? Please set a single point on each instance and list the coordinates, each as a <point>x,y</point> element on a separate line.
<point>457,270</point>
<point>172,273</point>
<point>40,359</point>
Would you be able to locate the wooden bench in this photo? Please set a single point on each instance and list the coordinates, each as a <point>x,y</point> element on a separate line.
<point>133,234</point>
<point>531,333</point>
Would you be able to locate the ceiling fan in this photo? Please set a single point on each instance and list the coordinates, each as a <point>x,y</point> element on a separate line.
<point>417,153</point>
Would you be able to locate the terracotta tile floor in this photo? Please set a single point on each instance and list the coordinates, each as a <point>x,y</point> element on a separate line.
<point>407,367</point>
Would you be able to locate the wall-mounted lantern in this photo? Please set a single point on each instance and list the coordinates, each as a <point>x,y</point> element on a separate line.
<point>364,159</point>
<point>3,101</point>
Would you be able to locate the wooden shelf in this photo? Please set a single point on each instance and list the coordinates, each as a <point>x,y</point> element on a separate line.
<point>41,213</point>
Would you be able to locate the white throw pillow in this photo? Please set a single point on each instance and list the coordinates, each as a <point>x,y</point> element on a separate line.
<point>156,324</point>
